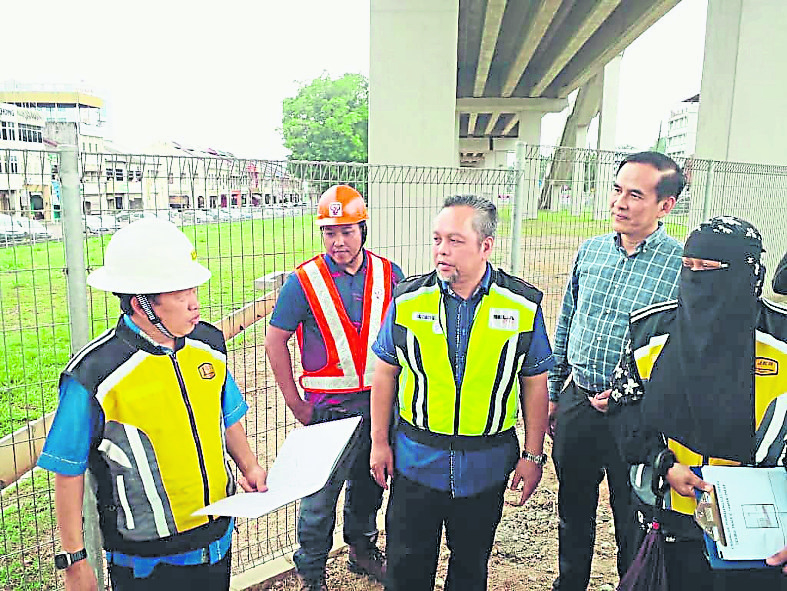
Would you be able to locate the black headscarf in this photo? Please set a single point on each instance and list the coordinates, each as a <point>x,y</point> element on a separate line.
<point>701,387</point>
<point>780,277</point>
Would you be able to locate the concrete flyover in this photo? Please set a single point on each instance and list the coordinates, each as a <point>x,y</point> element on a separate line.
<point>446,71</point>
<point>462,81</point>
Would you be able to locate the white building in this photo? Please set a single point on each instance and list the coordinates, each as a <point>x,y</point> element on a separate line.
<point>25,172</point>
<point>682,128</point>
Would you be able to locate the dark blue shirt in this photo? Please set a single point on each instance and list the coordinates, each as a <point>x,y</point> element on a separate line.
<point>463,473</point>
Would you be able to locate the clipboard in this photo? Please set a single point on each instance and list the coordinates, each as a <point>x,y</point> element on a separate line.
<point>708,517</point>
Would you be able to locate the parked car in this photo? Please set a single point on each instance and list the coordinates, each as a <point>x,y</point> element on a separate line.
<point>126,217</point>
<point>99,224</point>
<point>10,233</point>
<point>35,230</point>
<point>194,216</point>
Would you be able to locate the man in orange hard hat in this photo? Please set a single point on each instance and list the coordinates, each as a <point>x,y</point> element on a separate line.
<point>335,302</point>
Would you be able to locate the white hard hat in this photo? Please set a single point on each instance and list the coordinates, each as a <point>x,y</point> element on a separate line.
<point>149,256</point>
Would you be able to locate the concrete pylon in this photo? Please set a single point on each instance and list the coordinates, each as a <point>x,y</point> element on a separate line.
<point>412,121</point>
<point>741,117</point>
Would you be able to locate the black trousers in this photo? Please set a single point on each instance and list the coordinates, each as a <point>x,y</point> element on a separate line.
<point>689,570</point>
<point>167,577</point>
<point>414,521</point>
<point>584,451</point>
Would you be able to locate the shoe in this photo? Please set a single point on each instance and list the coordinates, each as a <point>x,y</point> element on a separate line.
<point>313,584</point>
<point>367,561</point>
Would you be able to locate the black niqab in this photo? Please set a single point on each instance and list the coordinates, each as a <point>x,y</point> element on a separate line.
<point>701,387</point>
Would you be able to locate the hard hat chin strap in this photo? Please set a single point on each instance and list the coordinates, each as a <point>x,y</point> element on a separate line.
<point>144,303</point>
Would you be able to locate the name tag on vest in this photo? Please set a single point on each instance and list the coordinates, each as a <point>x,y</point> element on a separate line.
<point>426,317</point>
<point>503,319</point>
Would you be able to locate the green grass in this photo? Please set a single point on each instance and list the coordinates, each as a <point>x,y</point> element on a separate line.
<point>34,331</point>
<point>28,525</point>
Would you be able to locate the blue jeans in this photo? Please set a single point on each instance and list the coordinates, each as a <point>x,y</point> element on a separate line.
<point>362,500</point>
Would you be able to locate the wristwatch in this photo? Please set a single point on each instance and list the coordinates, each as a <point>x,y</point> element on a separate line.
<point>63,561</point>
<point>539,459</point>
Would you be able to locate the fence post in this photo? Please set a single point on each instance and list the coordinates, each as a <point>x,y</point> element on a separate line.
<point>76,275</point>
<point>517,214</point>
<point>706,198</point>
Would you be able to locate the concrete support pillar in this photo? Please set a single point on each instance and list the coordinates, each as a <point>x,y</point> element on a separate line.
<point>741,116</point>
<point>412,82</point>
<point>744,82</point>
<point>607,124</point>
<point>578,174</point>
<point>608,113</point>
<point>530,133</point>
<point>412,121</point>
<point>496,160</point>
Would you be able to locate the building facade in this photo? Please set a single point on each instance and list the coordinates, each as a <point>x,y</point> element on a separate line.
<point>25,168</point>
<point>682,128</point>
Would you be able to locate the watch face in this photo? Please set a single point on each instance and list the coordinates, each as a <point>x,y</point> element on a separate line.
<point>61,561</point>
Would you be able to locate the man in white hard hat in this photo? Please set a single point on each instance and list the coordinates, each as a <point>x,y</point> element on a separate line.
<point>150,407</point>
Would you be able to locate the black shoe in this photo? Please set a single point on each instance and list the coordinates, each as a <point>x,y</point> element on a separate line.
<point>368,561</point>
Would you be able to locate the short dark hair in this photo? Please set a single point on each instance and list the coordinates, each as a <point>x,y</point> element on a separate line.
<point>485,218</point>
<point>125,301</point>
<point>670,184</point>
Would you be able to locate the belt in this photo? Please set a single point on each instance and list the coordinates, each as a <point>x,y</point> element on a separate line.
<point>457,442</point>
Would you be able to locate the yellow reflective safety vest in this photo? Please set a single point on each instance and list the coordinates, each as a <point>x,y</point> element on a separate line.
<point>649,333</point>
<point>486,402</point>
<point>160,454</point>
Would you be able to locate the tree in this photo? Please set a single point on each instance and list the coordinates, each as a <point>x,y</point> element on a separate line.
<point>328,120</point>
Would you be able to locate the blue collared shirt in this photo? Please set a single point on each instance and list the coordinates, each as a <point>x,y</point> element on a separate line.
<point>463,473</point>
<point>67,448</point>
<point>606,285</point>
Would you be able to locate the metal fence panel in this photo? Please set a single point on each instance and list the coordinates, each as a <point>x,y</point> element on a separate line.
<point>251,219</point>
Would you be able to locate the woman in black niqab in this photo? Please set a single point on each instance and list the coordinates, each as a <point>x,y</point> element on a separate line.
<point>701,387</point>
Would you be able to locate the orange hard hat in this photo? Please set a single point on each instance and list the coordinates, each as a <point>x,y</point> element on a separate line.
<point>341,204</point>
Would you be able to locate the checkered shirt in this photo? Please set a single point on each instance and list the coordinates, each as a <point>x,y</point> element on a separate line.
<point>606,285</point>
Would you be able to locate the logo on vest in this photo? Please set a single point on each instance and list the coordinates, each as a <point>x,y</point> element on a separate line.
<point>335,209</point>
<point>764,366</point>
<point>206,371</point>
<point>503,319</point>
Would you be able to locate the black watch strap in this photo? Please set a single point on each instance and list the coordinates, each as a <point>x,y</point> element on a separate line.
<point>63,561</point>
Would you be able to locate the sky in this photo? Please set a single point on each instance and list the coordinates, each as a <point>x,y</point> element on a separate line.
<point>215,74</point>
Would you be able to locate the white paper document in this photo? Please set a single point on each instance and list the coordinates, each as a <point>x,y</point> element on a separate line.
<point>753,507</point>
<point>302,467</point>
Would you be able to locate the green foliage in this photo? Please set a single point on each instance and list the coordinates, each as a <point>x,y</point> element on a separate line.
<point>328,120</point>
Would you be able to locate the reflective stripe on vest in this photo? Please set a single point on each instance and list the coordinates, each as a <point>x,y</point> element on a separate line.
<point>770,406</point>
<point>158,435</point>
<point>486,404</point>
<point>350,361</point>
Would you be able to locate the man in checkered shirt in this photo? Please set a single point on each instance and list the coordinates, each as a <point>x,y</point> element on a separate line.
<point>635,265</point>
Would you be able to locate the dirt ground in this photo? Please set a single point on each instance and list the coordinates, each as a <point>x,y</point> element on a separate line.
<point>524,555</point>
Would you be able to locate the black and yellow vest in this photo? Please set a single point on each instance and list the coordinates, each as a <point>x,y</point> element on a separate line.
<point>486,403</point>
<point>160,453</point>
<point>650,329</point>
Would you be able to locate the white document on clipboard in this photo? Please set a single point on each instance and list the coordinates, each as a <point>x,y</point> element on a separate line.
<point>306,460</point>
<point>753,507</point>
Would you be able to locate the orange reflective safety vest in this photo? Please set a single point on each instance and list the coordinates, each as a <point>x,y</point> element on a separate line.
<point>350,360</point>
